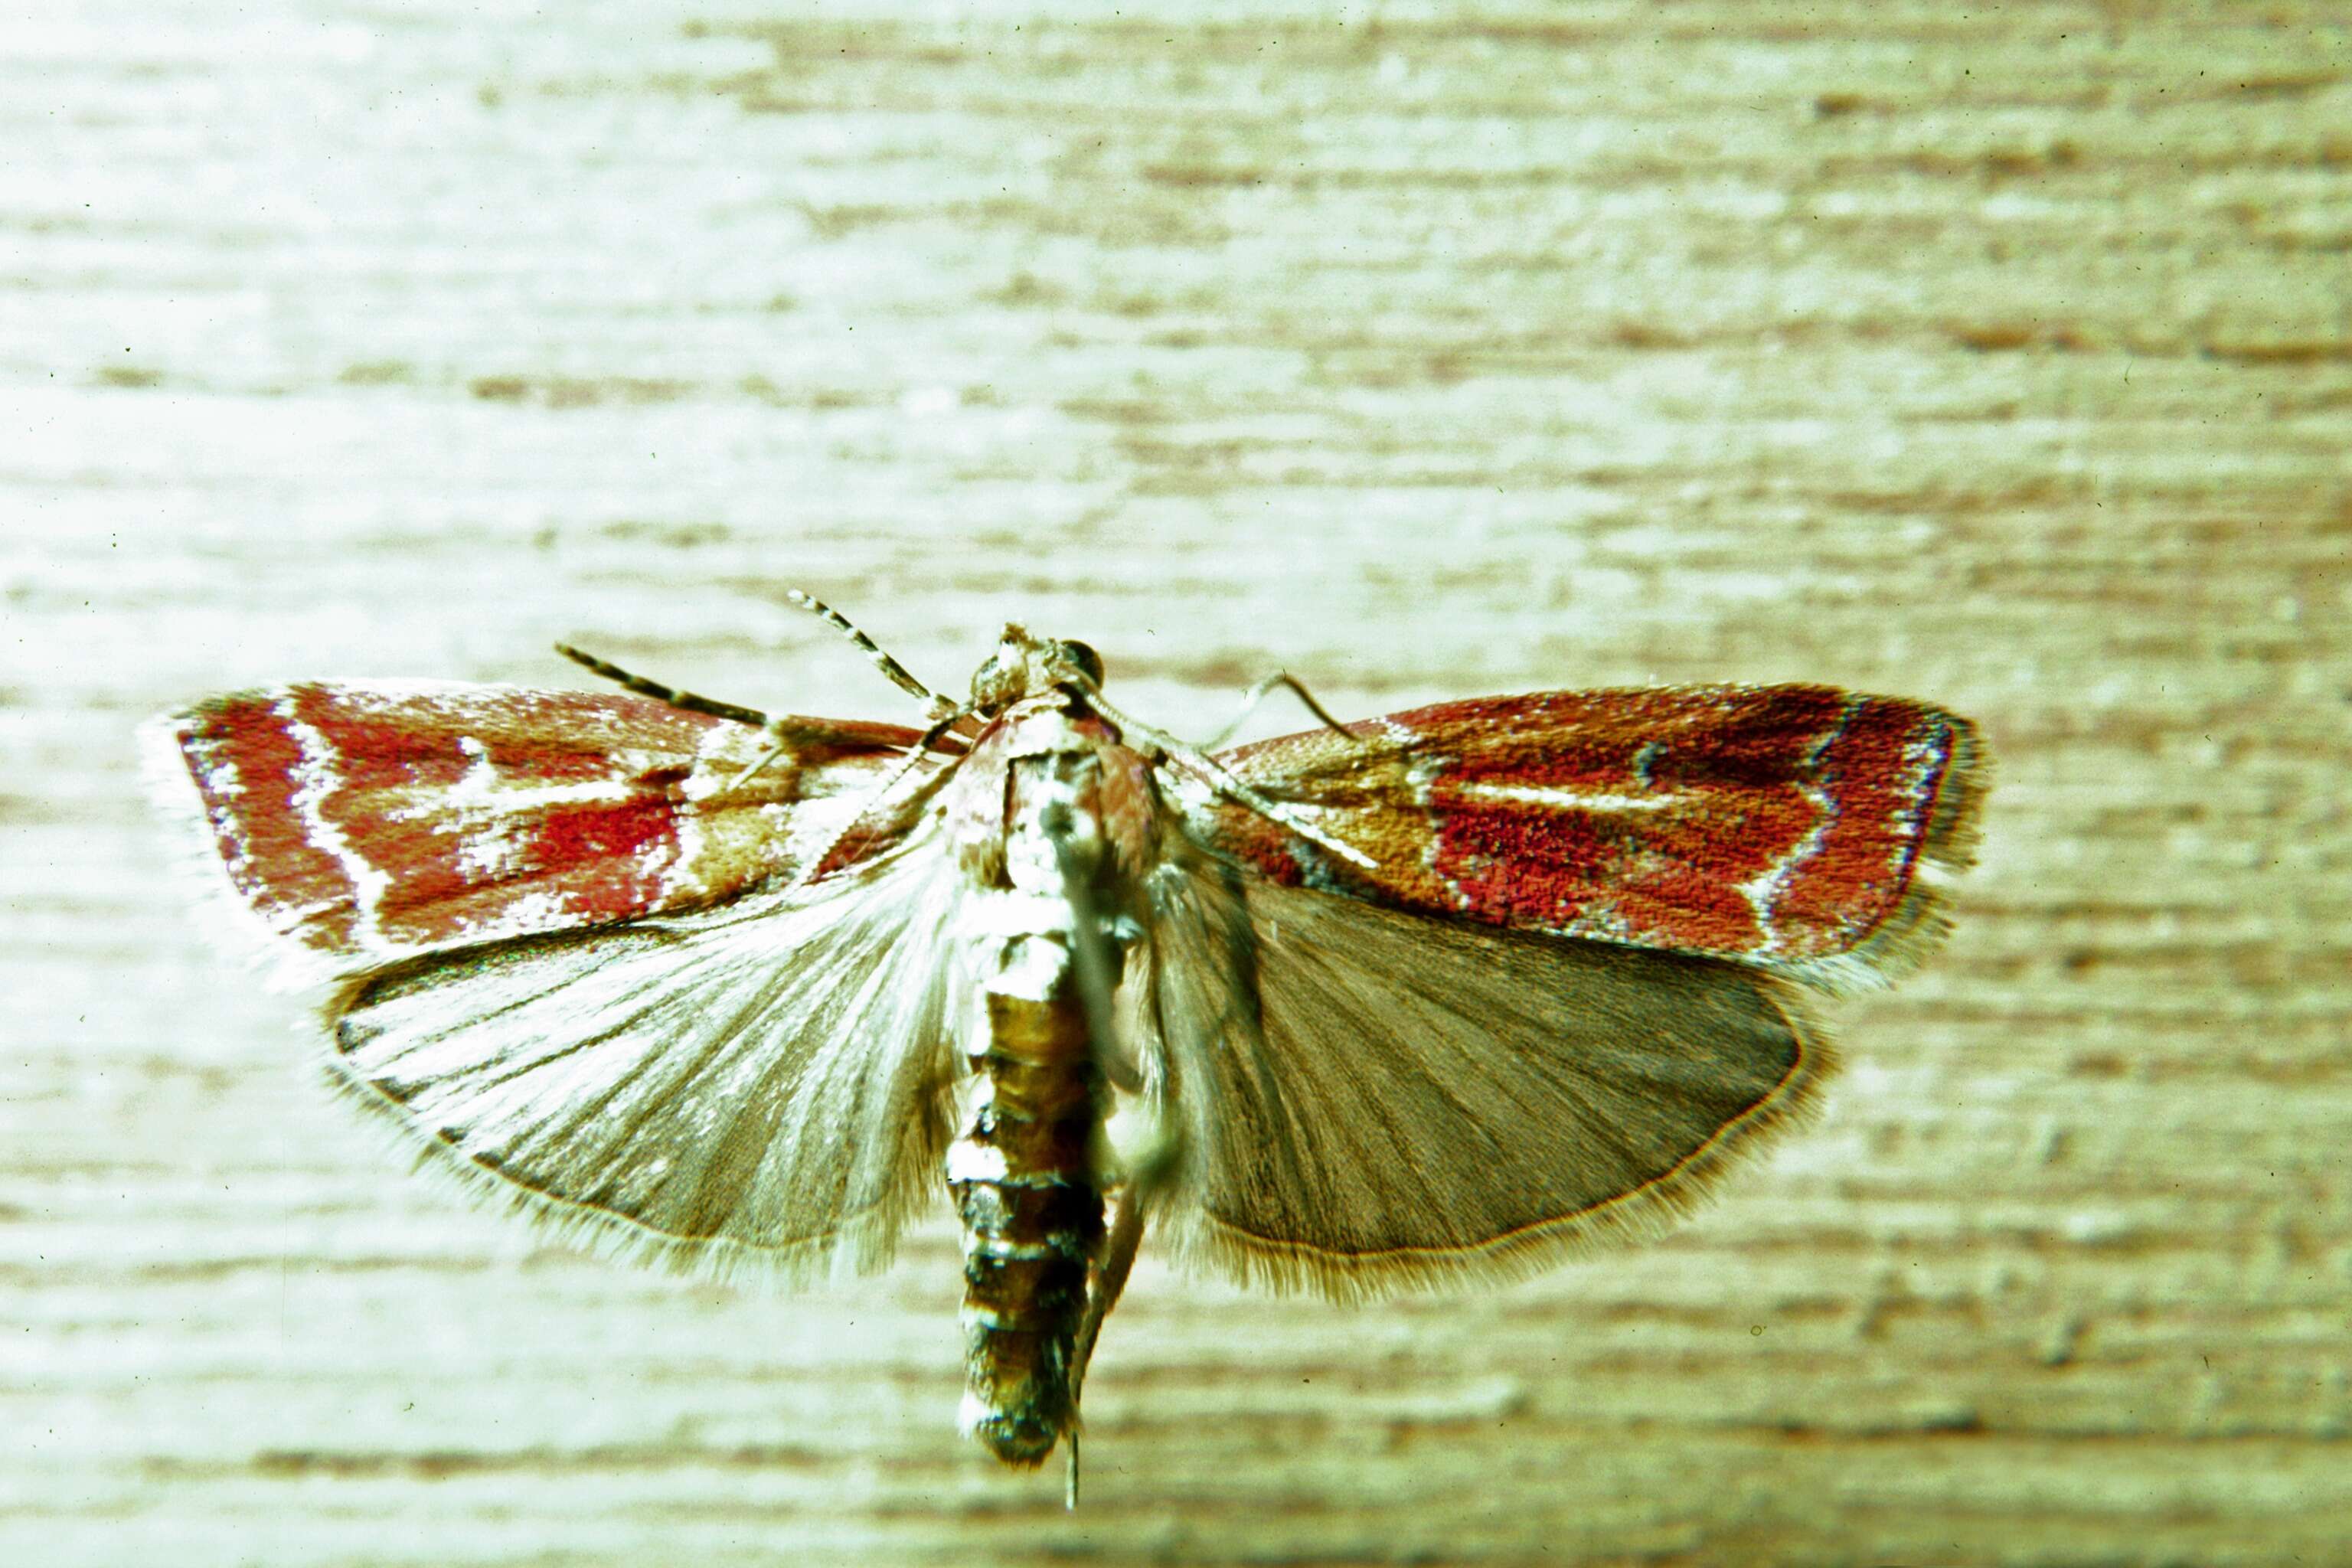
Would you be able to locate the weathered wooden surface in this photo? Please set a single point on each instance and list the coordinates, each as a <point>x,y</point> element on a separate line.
<point>2001,356</point>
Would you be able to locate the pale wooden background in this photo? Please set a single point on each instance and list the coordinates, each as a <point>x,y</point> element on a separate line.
<point>1997,355</point>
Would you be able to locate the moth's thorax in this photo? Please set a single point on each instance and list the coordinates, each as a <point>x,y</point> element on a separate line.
<point>1050,766</point>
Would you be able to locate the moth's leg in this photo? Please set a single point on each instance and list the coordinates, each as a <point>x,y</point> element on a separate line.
<point>1257,694</point>
<point>880,792</point>
<point>1221,778</point>
<point>1098,960</point>
<point>1107,1280</point>
<point>1159,744</point>
<point>892,671</point>
<point>789,732</point>
<point>1092,946</point>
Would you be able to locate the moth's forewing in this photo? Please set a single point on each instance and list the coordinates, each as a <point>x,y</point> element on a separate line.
<point>763,1082</point>
<point>373,821</point>
<point>1800,827</point>
<point>1371,1099</point>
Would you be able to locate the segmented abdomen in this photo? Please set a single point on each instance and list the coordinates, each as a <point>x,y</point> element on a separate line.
<point>1023,1176</point>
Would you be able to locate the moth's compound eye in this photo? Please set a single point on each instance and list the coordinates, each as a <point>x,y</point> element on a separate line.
<point>1085,658</point>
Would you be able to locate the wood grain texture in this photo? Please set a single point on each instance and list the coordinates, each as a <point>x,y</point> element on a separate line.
<point>2000,356</point>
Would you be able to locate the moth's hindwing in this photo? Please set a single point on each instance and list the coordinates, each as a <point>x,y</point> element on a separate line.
<point>1372,1100</point>
<point>765,1083</point>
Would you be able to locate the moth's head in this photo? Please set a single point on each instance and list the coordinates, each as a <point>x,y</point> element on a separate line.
<point>1023,666</point>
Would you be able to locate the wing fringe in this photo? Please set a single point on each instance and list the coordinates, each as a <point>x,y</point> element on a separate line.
<point>219,908</point>
<point>1921,920</point>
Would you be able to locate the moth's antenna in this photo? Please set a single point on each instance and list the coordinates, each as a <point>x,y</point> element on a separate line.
<point>782,731</point>
<point>890,667</point>
<point>675,696</point>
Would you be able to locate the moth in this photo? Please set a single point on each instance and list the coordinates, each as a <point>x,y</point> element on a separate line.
<point>1432,999</point>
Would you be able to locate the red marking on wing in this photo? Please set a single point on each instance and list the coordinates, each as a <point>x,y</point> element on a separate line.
<point>378,820</point>
<point>1784,824</point>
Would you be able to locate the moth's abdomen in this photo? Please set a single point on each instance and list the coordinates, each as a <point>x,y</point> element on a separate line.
<point>1023,1180</point>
